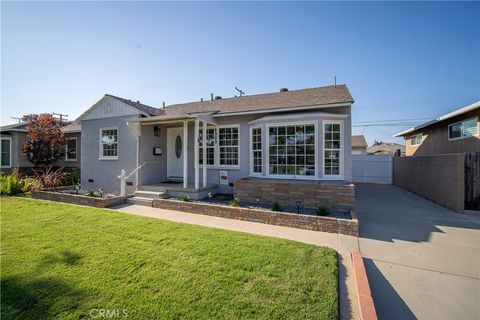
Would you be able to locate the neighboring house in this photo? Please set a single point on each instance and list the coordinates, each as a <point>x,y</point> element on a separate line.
<point>12,139</point>
<point>387,148</point>
<point>208,145</point>
<point>455,132</point>
<point>359,145</point>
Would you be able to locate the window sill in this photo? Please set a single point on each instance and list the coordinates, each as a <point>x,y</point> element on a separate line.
<point>461,138</point>
<point>222,167</point>
<point>71,160</point>
<point>108,158</point>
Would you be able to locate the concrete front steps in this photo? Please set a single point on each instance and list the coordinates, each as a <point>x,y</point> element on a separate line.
<point>145,198</point>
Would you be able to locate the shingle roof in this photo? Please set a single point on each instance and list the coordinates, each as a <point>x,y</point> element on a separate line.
<point>72,127</point>
<point>139,106</point>
<point>15,127</point>
<point>359,141</point>
<point>267,101</point>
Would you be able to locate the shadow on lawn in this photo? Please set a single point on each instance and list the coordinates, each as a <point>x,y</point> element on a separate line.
<point>24,298</point>
<point>65,257</point>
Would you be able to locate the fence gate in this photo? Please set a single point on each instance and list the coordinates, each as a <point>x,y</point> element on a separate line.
<point>372,168</point>
<point>472,181</point>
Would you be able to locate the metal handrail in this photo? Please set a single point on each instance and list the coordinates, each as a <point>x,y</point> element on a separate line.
<point>139,167</point>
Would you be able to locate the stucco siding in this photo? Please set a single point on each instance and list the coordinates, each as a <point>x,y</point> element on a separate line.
<point>104,173</point>
<point>435,139</point>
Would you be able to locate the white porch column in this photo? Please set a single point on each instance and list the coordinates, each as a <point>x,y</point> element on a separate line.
<point>185,154</point>
<point>204,155</point>
<point>196,153</point>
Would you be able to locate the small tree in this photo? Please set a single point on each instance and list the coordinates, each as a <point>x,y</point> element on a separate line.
<point>45,143</point>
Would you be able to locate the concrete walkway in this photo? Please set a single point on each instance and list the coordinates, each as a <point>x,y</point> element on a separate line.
<point>422,260</point>
<point>341,243</point>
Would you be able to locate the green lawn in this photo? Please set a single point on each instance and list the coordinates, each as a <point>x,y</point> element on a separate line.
<point>61,261</point>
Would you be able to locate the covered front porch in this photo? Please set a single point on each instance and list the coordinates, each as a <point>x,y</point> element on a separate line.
<point>169,156</point>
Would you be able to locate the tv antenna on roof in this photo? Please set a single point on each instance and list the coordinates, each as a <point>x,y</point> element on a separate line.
<point>16,118</point>
<point>242,93</point>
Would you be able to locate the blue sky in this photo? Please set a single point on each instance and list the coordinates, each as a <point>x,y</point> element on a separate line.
<point>400,60</point>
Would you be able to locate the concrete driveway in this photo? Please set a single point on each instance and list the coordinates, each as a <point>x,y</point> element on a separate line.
<point>422,260</point>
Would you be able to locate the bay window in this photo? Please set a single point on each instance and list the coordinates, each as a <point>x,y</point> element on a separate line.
<point>333,144</point>
<point>256,151</point>
<point>291,150</point>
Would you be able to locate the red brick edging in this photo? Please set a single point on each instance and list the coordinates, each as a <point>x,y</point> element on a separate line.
<point>300,221</point>
<point>364,295</point>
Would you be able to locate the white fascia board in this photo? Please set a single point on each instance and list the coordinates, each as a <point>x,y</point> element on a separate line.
<point>320,106</point>
<point>299,116</point>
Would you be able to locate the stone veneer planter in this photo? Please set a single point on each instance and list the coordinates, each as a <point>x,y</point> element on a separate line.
<point>300,221</point>
<point>312,194</point>
<point>53,195</point>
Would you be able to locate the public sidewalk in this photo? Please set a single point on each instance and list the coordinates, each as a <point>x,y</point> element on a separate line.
<point>341,243</point>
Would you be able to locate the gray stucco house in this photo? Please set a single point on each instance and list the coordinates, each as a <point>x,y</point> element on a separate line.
<point>206,146</point>
<point>13,136</point>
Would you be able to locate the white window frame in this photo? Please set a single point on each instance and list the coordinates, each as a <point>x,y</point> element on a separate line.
<point>217,153</point>
<point>200,149</point>
<point>76,149</point>
<point>101,156</point>
<point>341,160</point>
<point>461,122</point>
<point>411,137</point>
<point>266,162</point>
<point>10,152</point>
<point>216,161</point>
<point>253,173</point>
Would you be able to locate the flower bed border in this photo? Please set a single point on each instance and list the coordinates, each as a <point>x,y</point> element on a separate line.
<point>285,219</point>
<point>53,195</point>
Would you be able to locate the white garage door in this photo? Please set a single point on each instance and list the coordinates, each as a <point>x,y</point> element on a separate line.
<point>372,168</point>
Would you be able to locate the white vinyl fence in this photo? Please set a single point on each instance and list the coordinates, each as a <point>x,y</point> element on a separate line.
<point>372,168</point>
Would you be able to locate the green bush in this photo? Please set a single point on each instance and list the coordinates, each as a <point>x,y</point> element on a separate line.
<point>323,211</point>
<point>185,198</point>
<point>223,197</point>
<point>276,206</point>
<point>73,178</point>
<point>15,183</point>
<point>235,202</point>
<point>91,193</point>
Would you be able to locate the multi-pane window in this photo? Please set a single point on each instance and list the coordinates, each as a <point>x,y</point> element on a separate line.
<point>5,150</point>
<point>464,129</point>
<point>416,139</point>
<point>228,146</point>
<point>71,153</point>
<point>332,149</point>
<point>210,146</point>
<point>292,150</point>
<point>257,150</point>
<point>109,143</point>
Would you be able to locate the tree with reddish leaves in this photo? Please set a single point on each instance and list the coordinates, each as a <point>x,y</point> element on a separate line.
<point>46,142</point>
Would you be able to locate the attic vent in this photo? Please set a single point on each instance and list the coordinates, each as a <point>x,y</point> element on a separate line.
<point>284,90</point>
<point>218,97</point>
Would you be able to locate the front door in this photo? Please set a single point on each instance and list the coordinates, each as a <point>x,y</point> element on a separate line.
<point>175,152</point>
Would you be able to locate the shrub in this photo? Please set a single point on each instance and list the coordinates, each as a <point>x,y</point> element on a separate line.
<point>223,197</point>
<point>235,202</point>
<point>30,184</point>
<point>185,198</point>
<point>73,178</point>
<point>322,211</point>
<point>90,193</point>
<point>276,206</point>
<point>11,184</point>
<point>49,177</point>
